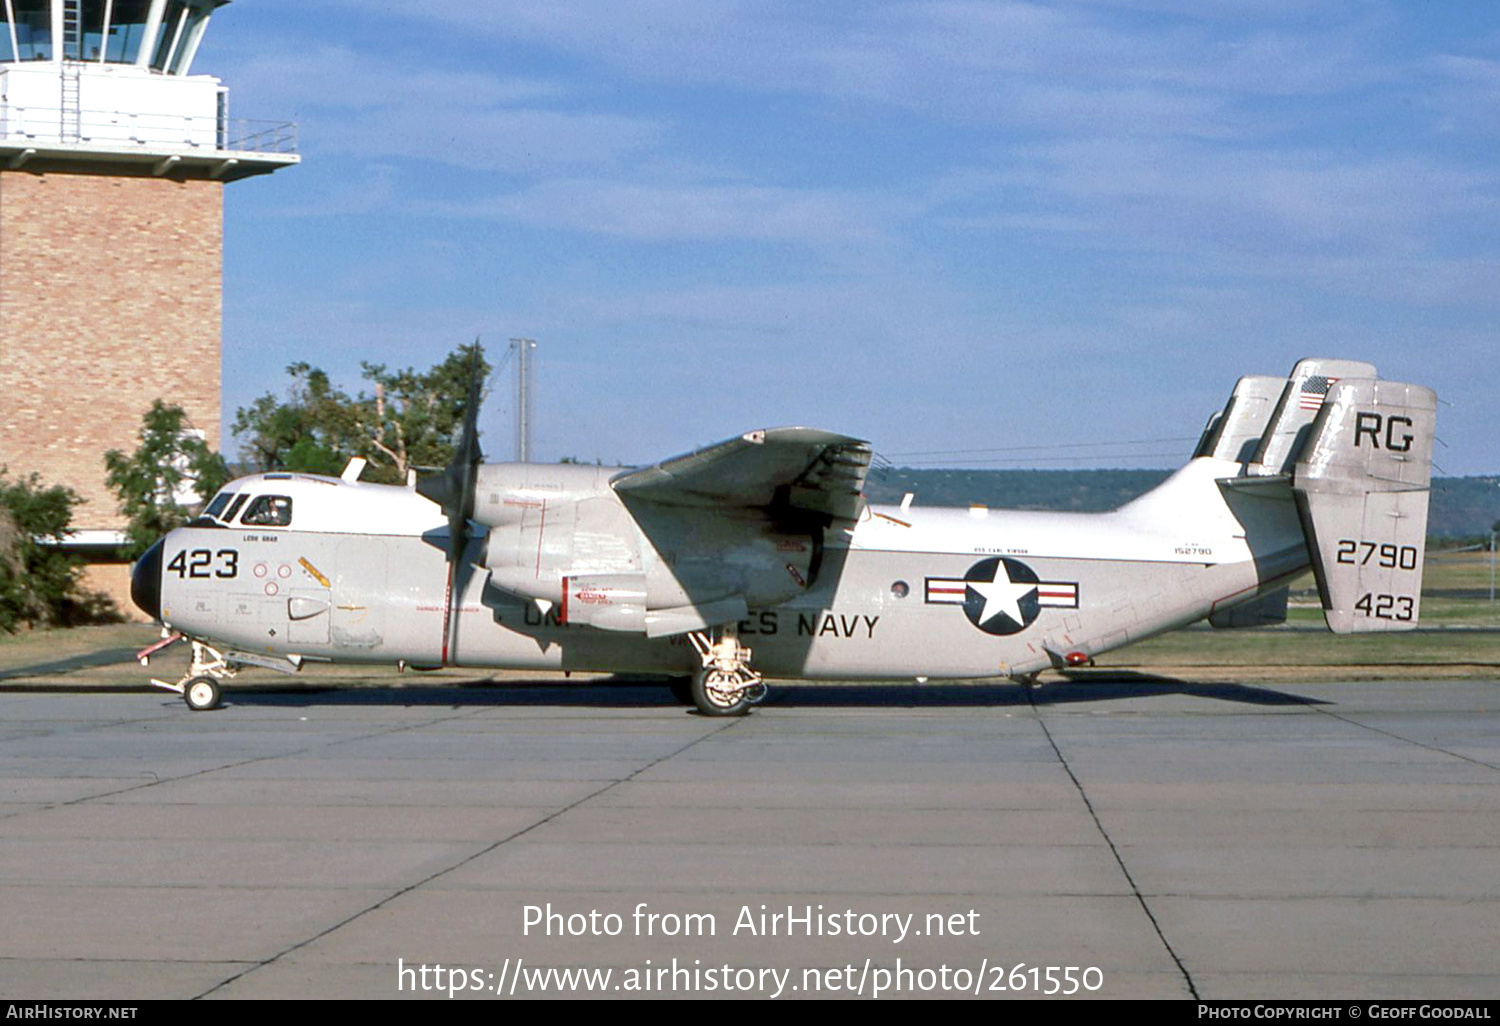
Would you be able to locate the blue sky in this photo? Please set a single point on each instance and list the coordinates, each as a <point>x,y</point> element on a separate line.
<point>942,226</point>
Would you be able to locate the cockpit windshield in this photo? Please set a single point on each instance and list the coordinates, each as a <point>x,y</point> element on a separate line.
<point>217,506</point>
<point>234,507</point>
<point>221,511</point>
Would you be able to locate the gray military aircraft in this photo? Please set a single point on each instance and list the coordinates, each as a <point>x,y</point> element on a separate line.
<point>759,556</point>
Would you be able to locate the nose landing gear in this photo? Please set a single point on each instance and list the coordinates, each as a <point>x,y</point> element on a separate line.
<point>199,686</point>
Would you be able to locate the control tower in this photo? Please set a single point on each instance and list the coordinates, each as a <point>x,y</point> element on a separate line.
<point>113,159</point>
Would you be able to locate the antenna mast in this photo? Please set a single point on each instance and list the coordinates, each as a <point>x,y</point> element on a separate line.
<point>523,347</point>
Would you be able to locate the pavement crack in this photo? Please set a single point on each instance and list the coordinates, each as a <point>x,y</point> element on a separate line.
<point>157,781</point>
<point>611,785</point>
<point>1113,849</point>
<point>1406,740</point>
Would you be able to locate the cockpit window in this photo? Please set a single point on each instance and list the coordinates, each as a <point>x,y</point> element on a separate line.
<point>234,507</point>
<point>269,511</point>
<point>213,514</point>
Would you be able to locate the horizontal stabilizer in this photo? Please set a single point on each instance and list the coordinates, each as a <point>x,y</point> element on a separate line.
<point>1262,611</point>
<point>1362,487</point>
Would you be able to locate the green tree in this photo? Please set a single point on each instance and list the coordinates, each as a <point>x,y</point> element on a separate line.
<point>410,420</point>
<point>168,477</point>
<point>37,582</point>
<point>306,432</point>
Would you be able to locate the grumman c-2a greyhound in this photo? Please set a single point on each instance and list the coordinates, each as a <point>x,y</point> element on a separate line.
<point>759,556</point>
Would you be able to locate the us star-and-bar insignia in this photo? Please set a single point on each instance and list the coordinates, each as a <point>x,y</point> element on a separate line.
<point>1001,595</point>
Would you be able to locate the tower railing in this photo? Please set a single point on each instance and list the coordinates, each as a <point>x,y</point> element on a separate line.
<point>73,127</point>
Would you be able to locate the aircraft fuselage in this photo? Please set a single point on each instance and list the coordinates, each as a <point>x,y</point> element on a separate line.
<point>901,593</point>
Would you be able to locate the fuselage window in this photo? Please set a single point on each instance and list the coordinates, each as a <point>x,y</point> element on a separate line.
<point>269,511</point>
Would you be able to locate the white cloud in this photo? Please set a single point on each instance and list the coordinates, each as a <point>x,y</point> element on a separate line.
<point>1181,197</point>
<point>357,104</point>
<point>959,59</point>
<point>1467,100</point>
<point>292,76</point>
<point>675,212</point>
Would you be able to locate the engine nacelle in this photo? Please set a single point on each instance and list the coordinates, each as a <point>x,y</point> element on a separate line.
<point>739,558</point>
<point>560,535</point>
<point>508,493</point>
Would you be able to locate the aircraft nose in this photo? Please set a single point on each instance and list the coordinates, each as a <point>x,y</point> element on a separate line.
<point>145,581</point>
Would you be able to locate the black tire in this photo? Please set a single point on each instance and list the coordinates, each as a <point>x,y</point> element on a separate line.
<point>202,694</point>
<point>710,701</point>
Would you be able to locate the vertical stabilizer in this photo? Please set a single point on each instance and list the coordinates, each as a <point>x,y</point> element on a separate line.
<point>1237,431</point>
<point>1302,398</point>
<point>1361,486</point>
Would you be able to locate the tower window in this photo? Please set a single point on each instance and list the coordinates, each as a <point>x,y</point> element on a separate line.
<point>31,29</point>
<point>126,30</point>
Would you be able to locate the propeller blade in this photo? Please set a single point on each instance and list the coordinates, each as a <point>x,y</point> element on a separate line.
<point>453,489</point>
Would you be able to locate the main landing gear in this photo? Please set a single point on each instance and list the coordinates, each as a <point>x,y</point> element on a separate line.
<point>724,685</point>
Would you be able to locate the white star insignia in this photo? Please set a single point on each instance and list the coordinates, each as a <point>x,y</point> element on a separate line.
<point>1001,595</point>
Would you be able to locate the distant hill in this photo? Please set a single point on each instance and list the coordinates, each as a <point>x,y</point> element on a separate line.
<point>1079,491</point>
<point>1461,506</point>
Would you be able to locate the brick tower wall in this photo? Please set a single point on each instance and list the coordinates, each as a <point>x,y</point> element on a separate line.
<point>109,299</point>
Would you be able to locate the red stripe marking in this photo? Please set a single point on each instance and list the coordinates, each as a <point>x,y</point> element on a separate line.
<point>539,529</point>
<point>447,609</point>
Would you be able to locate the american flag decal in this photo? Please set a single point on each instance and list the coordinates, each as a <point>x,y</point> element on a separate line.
<point>1314,391</point>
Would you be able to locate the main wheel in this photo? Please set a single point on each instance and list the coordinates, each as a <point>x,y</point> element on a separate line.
<point>202,694</point>
<point>717,693</point>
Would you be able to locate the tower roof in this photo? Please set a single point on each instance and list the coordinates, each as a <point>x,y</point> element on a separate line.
<point>159,35</point>
<point>105,85</point>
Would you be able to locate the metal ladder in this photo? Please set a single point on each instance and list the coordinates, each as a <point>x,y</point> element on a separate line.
<point>72,29</point>
<point>70,116</point>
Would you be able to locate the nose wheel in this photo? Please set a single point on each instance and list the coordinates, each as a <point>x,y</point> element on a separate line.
<point>202,694</point>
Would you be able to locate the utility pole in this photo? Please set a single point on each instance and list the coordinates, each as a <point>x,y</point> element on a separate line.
<point>523,347</point>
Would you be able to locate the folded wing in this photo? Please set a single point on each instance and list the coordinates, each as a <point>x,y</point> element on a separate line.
<point>787,468</point>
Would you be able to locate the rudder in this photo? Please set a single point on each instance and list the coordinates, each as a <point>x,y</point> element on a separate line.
<point>1361,486</point>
